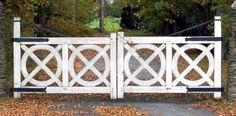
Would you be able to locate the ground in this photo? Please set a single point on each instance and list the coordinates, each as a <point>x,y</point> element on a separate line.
<point>133,104</point>
<point>101,105</point>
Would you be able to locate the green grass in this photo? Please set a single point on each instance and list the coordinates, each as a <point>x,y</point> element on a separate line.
<point>138,33</point>
<point>111,24</point>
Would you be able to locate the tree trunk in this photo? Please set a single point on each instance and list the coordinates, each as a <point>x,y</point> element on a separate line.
<point>102,15</point>
<point>2,54</point>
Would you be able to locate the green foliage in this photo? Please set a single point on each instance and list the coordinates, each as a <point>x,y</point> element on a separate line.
<point>24,8</point>
<point>224,6</point>
<point>130,18</point>
<point>67,27</point>
<point>111,24</point>
<point>174,16</point>
<point>114,9</point>
<point>82,10</point>
<point>162,14</point>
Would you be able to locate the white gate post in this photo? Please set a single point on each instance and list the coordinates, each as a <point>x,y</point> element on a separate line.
<point>217,55</point>
<point>120,65</point>
<point>113,66</point>
<point>17,56</point>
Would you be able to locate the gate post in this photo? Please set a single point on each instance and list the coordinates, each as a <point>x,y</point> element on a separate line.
<point>217,55</point>
<point>17,56</point>
<point>120,65</point>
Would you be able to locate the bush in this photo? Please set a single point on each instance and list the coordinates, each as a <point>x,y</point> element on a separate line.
<point>68,28</point>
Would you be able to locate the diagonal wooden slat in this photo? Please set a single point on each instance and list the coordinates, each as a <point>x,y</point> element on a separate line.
<point>41,65</point>
<point>100,76</point>
<point>141,67</point>
<point>193,64</point>
<point>145,65</point>
<point>88,66</point>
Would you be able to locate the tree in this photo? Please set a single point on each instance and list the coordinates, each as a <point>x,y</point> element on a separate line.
<point>129,19</point>
<point>165,16</point>
<point>44,11</point>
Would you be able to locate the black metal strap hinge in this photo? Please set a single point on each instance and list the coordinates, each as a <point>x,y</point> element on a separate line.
<point>30,39</point>
<point>29,89</point>
<point>190,89</point>
<point>210,38</point>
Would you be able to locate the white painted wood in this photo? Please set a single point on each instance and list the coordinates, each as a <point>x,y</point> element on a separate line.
<point>89,65</point>
<point>217,53</point>
<point>168,66</point>
<point>65,74</point>
<point>74,90</point>
<point>117,65</point>
<point>145,65</point>
<point>193,64</point>
<point>160,40</point>
<point>17,56</point>
<point>120,54</point>
<point>157,89</point>
<point>29,52</point>
<point>102,77</point>
<point>72,40</point>
<point>113,66</point>
<point>131,76</point>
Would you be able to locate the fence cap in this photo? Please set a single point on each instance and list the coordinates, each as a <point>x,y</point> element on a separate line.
<point>17,19</point>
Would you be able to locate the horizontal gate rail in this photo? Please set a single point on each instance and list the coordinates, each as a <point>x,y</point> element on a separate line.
<point>61,40</point>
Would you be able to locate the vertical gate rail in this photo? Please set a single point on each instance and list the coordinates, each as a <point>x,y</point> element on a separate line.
<point>170,61</point>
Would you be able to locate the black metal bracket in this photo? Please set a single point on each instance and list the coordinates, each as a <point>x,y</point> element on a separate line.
<point>30,39</point>
<point>29,89</point>
<point>205,89</point>
<point>206,38</point>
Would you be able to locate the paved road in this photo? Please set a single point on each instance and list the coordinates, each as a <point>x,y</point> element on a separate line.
<point>153,105</point>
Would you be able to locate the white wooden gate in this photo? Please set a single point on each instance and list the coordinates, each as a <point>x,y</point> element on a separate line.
<point>115,75</point>
<point>168,50</point>
<point>65,52</point>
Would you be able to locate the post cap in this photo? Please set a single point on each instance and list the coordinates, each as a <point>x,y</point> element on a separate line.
<point>17,19</point>
<point>217,17</point>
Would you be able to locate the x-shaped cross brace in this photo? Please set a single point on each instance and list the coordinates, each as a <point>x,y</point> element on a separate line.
<point>41,65</point>
<point>89,66</point>
<point>144,64</point>
<point>193,64</point>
